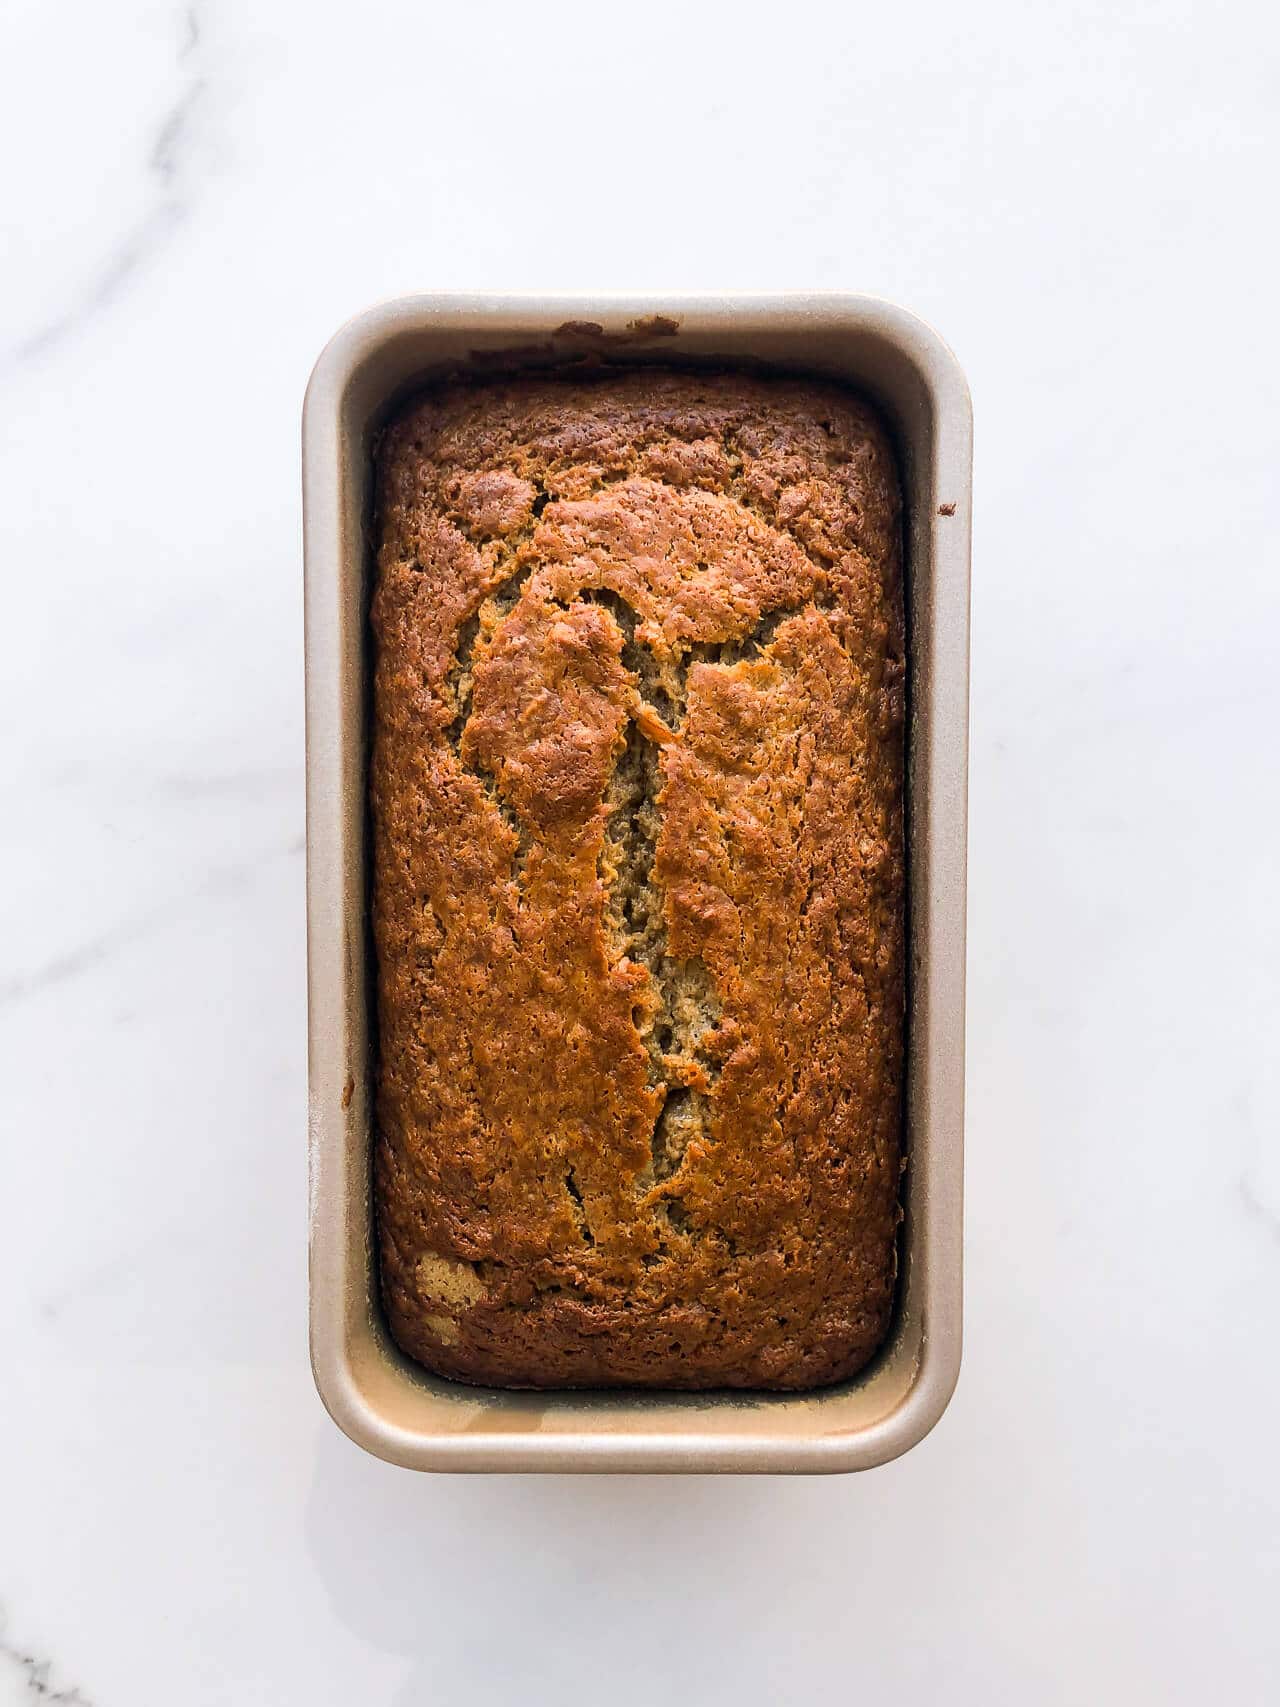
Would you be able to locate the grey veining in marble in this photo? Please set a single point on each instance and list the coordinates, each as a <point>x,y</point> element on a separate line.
<point>170,202</point>
<point>33,1679</point>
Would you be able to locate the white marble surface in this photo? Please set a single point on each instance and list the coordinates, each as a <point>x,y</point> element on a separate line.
<point>1081,199</point>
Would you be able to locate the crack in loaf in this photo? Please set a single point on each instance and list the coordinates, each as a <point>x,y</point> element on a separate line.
<point>636,781</point>
<point>684,1005</point>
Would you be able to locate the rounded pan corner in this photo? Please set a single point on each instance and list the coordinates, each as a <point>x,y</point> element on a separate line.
<point>921,1409</point>
<point>352,1411</point>
<point>925,1405</point>
<point>921,341</point>
<point>354,340</point>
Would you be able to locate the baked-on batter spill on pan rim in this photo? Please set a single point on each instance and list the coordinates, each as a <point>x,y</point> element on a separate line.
<point>638,898</point>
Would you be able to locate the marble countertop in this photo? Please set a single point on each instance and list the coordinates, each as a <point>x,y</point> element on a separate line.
<point>202,194</point>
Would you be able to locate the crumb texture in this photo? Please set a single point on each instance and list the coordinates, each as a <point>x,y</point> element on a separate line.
<point>637,781</point>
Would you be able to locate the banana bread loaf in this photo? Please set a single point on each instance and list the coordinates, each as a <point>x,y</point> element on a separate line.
<point>637,784</point>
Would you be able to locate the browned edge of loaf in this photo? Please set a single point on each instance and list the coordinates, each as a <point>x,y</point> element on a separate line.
<point>637,788</point>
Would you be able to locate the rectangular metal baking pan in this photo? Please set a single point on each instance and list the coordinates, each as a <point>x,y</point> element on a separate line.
<point>379,1398</point>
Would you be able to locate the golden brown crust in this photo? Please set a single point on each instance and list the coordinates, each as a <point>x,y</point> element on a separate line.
<point>637,785</point>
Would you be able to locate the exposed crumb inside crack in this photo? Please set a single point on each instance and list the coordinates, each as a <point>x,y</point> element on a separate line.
<point>502,600</point>
<point>684,1005</point>
<point>676,1215</point>
<point>480,628</point>
<point>636,659</point>
<point>461,677</point>
<point>683,1117</point>
<point>729,652</point>
<point>580,1211</point>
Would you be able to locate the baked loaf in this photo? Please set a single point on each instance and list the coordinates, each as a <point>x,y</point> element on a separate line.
<point>637,782</point>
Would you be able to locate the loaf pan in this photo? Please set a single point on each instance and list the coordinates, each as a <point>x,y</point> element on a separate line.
<point>379,1398</point>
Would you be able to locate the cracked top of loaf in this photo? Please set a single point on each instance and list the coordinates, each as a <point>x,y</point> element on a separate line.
<point>637,785</point>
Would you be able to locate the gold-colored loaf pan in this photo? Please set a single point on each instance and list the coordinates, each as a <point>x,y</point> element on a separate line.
<point>380,1398</point>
